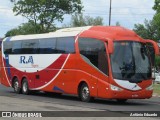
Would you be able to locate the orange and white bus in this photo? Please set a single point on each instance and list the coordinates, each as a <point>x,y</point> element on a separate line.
<point>92,61</point>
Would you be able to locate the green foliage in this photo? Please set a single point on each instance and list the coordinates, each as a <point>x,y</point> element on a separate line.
<point>44,12</point>
<point>157,60</point>
<point>148,30</point>
<point>26,28</point>
<point>118,24</point>
<point>156,6</point>
<point>79,20</point>
<point>156,90</point>
<point>12,32</point>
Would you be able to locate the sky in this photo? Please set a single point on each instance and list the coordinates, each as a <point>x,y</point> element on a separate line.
<point>126,12</point>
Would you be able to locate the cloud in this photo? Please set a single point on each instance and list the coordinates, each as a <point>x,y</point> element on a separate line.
<point>127,12</point>
<point>8,20</point>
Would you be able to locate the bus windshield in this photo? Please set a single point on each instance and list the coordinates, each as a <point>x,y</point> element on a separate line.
<point>130,61</point>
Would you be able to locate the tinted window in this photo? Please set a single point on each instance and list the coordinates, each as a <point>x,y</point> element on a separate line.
<point>29,46</point>
<point>43,46</point>
<point>70,45</point>
<point>65,45</point>
<point>47,46</point>
<point>16,47</point>
<point>61,45</point>
<point>151,53</point>
<point>130,61</point>
<point>94,53</point>
<point>7,46</point>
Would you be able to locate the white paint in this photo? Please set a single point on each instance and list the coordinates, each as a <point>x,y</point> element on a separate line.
<point>40,62</point>
<point>59,33</point>
<point>127,85</point>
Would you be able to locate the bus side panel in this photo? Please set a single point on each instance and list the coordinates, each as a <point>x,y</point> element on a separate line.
<point>67,80</point>
<point>103,89</point>
<point>68,75</point>
<point>86,73</point>
<point>63,80</point>
<point>3,74</point>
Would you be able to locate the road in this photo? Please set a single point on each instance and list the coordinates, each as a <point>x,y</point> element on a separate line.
<point>10,101</point>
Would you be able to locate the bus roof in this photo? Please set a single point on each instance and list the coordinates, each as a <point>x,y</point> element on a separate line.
<point>66,32</point>
<point>111,31</point>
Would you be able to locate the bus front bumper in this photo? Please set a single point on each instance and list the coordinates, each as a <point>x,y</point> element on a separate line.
<point>125,94</point>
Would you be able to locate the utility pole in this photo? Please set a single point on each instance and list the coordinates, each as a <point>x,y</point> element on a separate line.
<point>110,11</point>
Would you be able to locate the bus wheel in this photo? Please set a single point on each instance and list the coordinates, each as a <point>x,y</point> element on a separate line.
<point>25,87</point>
<point>16,86</point>
<point>121,100</point>
<point>85,93</point>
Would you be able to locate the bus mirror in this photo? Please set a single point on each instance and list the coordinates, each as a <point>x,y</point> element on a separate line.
<point>110,46</point>
<point>155,46</point>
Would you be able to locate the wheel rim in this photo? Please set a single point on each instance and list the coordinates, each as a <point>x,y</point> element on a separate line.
<point>16,86</point>
<point>85,92</point>
<point>25,87</point>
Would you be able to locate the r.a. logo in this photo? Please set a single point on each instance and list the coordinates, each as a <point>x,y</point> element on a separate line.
<point>26,60</point>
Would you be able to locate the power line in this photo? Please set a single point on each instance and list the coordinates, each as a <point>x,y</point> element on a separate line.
<point>94,13</point>
<point>129,8</point>
<point>88,5</point>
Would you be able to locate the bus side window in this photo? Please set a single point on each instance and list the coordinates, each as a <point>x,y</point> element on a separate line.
<point>60,46</point>
<point>95,51</point>
<point>70,45</point>
<point>47,46</point>
<point>16,47</point>
<point>7,47</point>
<point>29,47</point>
<point>65,45</point>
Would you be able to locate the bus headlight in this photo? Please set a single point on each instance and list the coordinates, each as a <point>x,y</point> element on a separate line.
<point>115,88</point>
<point>150,87</point>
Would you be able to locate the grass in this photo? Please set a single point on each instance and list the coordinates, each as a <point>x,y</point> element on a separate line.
<point>156,88</point>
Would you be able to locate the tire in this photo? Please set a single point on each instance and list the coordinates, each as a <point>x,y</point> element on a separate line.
<point>16,86</point>
<point>84,93</point>
<point>25,87</point>
<point>121,100</point>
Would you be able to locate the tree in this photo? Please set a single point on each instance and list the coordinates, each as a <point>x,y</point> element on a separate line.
<point>156,6</point>
<point>45,12</point>
<point>148,30</point>
<point>118,24</point>
<point>24,29</point>
<point>80,20</point>
<point>12,32</point>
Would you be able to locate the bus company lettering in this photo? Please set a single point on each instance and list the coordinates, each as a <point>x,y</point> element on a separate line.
<point>26,60</point>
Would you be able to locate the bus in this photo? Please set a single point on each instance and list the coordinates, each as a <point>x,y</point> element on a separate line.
<point>91,62</point>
